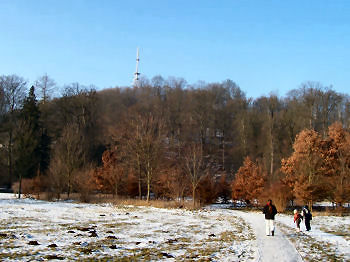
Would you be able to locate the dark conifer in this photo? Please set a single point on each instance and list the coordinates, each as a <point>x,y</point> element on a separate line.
<point>28,139</point>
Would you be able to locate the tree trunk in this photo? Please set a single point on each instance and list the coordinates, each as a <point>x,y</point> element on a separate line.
<point>194,196</point>
<point>69,186</point>
<point>139,171</point>
<point>148,190</point>
<point>10,157</point>
<point>20,186</point>
<point>244,140</point>
<point>310,203</point>
<point>116,190</point>
<point>272,159</point>
<point>140,193</point>
<point>148,184</point>
<point>223,153</point>
<point>271,146</point>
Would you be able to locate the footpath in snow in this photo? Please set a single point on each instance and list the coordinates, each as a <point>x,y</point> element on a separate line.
<point>329,239</point>
<point>270,248</point>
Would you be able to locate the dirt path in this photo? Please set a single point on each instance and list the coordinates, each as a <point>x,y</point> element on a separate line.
<point>277,248</point>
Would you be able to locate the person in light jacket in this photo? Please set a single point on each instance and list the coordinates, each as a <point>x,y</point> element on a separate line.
<point>270,211</point>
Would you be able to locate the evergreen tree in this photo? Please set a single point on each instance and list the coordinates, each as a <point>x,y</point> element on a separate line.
<point>44,151</point>
<point>28,138</point>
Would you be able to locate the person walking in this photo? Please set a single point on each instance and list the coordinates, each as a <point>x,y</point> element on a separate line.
<point>270,211</point>
<point>307,217</point>
<point>297,219</point>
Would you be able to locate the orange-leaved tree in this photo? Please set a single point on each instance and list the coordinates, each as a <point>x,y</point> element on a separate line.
<point>171,183</point>
<point>110,177</point>
<point>304,169</point>
<point>249,182</point>
<point>337,163</point>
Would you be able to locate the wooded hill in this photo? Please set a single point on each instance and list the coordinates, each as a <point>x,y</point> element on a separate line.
<point>167,139</point>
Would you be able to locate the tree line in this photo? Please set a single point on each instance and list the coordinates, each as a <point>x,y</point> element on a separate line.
<point>171,140</point>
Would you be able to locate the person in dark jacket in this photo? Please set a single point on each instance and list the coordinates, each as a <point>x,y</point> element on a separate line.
<point>307,217</point>
<point>270,211</point>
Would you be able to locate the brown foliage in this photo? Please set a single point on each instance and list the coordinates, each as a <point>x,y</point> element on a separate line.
<point>132,185</point>
<point>337,162</point>
<point>171,183</point>
<point>319,168</point>
<point>83,183</point>
<point>32,186</point>
<point>303,169</point>
<point>27,187</point>
<point>206,190</point>
<point>249,182</point>
<point>280,193</point>
<point>111,176</point>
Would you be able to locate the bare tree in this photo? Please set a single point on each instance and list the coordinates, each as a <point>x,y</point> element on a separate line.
<point>68,156</point>
<point>13,88</point>
<point>193,166</point>
<point>143,143</point>
<point>45,86</point>
<point>329,101</point>
<point>79,106</point>
<point>310,92</point>
<point>2,102</point>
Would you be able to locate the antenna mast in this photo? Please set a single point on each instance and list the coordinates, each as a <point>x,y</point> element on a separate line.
<point>136,74</point>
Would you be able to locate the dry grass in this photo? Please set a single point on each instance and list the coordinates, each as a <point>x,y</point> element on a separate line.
<point>120,201</point>
<point>310,248</point>
<point>153,203</point>
<point>329,212</point>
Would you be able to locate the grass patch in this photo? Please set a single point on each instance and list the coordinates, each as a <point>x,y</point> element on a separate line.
<point>152,203</point>
<point>228,236</point>
<point>184,240</point>
<point>309,248</point>
<point>341,230</point>
<point>16,255</point>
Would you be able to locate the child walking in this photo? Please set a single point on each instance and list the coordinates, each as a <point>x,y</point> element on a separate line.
<point>297,219</point>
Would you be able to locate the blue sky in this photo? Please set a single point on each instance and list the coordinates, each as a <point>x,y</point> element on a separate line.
<point>264,46</point>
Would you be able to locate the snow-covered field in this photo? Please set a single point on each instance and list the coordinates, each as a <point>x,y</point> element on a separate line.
<point>32,230</point>
<point>328,240</point>
<point>39,230</point>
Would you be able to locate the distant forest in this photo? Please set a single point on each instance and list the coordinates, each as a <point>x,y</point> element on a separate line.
<point>165,139</point>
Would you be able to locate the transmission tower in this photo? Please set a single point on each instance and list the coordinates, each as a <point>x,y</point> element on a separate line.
<point>137,74</point>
